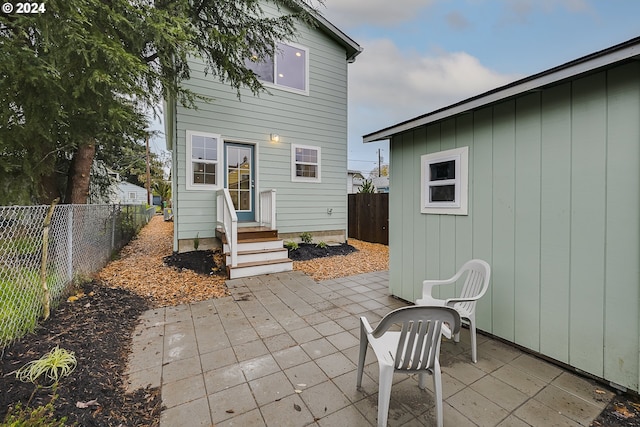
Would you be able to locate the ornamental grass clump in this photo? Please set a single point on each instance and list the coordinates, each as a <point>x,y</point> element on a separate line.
<point>53,366</point>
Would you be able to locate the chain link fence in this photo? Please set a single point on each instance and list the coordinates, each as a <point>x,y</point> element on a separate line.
<point>78,242</point>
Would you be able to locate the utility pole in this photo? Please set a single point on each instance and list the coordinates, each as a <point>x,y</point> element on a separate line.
<point>379,162</point>
<point>148,174</point>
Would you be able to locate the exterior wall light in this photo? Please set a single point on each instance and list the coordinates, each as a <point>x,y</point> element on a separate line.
<point>275,137</point>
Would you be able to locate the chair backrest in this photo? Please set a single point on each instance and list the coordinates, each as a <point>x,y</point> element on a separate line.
<point>476,283</point>
<point>420,334</point>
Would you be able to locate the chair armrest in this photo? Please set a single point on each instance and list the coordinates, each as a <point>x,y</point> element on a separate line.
<point>365,324</point>
<point>450,302</point>
<point>427,285</point>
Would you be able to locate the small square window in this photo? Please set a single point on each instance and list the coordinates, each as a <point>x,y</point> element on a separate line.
<point>305,163</point>
<point>444,182</point>
<point>203,160</point>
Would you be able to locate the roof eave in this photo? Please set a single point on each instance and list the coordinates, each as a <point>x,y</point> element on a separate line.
<point>586,64</point>
<point>352,47</point>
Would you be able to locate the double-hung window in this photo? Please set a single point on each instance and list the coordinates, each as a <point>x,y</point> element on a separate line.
<point>305,163</point>
<point>444,182</point>
<point>288,69</point>
<point>204,152</point>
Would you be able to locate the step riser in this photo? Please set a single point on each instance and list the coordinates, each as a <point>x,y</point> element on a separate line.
<point>259,257</point>
<point>256,246</point>
<point>256,270</point>
<point>257,235</point>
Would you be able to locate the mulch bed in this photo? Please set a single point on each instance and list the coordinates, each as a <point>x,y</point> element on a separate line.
<point>97,328</point>
<point>308,251</point>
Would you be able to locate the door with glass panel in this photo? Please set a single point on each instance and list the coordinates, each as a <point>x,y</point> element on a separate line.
<point>240,179</point>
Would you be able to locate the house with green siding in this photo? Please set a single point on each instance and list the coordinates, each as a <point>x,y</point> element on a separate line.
<point>249,172</point>
<point>541,179</point>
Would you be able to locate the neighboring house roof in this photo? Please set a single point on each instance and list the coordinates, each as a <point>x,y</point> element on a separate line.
<point>356,174</point>
<point>623,52</point>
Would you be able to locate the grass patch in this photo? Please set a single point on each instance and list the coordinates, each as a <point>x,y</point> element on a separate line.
<point>21,306</point>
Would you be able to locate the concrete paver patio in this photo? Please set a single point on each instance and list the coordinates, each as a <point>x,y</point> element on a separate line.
<point>282,350</point>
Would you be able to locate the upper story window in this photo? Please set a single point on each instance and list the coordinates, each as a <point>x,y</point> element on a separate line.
<point>305,163</point>
<point>444,182</point>
<point>203,161</point>
<point>289,69</point>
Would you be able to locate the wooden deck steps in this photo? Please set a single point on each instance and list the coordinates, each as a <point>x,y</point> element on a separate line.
<point>260,251</point>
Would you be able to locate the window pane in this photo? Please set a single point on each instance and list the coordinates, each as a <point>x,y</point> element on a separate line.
<point>235,196</point>
<point>263,69</point>
<point>443,170</point>
<point>232,178</point>
<point>244,181</point>
<point>307,171</point>
<point>306,155</point>
<point>204,148</point>
<point>291,67</point>
<point>197,147</point>
<point>442,193</point>
<point>204,173</point>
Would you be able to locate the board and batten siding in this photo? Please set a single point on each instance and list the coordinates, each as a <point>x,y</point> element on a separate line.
<point>554,207</point>
<point>319,119</point>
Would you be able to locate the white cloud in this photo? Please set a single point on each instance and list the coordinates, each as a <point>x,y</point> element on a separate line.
<point>382,13</point>
<point>391,86</point>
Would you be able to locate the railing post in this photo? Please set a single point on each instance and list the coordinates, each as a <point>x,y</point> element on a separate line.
<point>273,209</point>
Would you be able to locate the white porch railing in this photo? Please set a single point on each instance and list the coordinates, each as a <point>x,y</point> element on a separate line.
<point>268,209</point>
<point>228,220</point>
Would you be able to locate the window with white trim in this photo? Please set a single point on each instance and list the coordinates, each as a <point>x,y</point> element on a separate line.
<point>444,182</point>
<point>305,163</point>
<point>289,69</point>
<point>204,167</point>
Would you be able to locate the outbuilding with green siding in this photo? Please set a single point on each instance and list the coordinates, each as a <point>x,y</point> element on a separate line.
<point>547,191</point>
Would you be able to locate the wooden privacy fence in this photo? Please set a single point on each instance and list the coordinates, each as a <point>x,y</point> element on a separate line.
<point>369,217</point>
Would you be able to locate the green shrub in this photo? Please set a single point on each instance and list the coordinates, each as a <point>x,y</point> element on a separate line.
<point>291,245</point>
<point>306,237</point>
<point>41,416</point>
<point>196,242</point>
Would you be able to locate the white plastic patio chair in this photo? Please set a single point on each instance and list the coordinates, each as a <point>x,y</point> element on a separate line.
<point>415,348</point>
<point>478,273</point>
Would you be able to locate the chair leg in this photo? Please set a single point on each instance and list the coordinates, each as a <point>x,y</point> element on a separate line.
<point>384,393</point>
<point>422,380</point>
<point>474,347</point>
<point>364,342</point>
<point>437,386</point>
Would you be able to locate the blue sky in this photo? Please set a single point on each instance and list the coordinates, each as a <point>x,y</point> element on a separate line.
<point>420,55</point>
